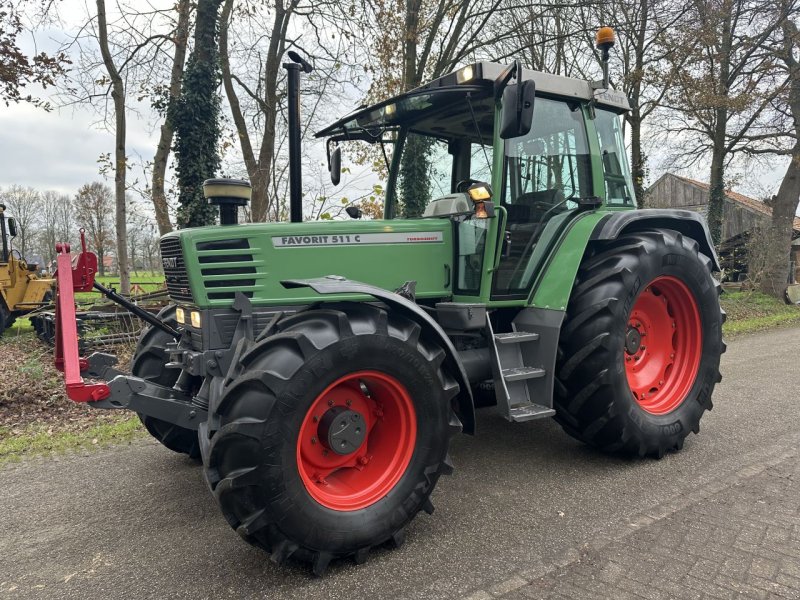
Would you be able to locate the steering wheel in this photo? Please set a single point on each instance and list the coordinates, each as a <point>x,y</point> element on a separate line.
<point>462,185</point>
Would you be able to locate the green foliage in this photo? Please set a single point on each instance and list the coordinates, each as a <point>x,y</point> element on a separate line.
<point>415,190</point>
<point>195,117</point>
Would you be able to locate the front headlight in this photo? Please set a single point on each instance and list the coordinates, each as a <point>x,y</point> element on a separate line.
<point>180,315</point>
<point>195,319</point>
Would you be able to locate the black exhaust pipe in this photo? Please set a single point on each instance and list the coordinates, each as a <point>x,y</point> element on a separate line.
<point>295,160</point>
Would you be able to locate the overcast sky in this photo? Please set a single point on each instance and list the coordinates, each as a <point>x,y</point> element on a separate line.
<point>57,150</point>
<point>60,150</point>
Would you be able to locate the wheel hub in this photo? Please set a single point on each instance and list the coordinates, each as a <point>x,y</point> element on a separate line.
<point>356,440</point>
<point>661,371</point>
<point>342,430</point>
<point>633,339</point>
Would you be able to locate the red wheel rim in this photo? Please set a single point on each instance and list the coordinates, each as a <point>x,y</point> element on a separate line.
<point>663,345</point>
<point>360,478</point>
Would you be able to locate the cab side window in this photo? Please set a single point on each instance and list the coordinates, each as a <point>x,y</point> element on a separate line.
<point>617,175</point>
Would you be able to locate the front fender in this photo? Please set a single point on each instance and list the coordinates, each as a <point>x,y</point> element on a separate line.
<point>334,284</point>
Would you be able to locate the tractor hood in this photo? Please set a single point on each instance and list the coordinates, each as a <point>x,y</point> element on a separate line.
<point>206,266</point>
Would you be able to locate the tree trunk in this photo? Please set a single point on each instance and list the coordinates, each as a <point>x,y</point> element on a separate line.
<point>778,238</point>
<point>120,161</point>
<point>716,197</point>
<point>165,137</point>
<point>259,170</point>
<point>637,157</point>
<point>101,263</point>
<point>410,72</point>
<point>195,117</point>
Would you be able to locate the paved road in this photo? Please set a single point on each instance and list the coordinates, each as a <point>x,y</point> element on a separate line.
<point>528,513</point>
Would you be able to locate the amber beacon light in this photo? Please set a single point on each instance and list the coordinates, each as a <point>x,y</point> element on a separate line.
<point>604,39</point>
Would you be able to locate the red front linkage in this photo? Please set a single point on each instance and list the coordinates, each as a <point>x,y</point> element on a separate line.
<point>74,274</point>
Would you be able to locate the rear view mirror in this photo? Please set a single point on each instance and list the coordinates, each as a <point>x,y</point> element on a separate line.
<point>335,166</point>
<point>12,226</point>
<point>353,211</point>
<point>517,109</point>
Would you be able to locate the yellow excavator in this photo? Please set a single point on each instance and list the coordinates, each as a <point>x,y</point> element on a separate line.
<point>21,291</point>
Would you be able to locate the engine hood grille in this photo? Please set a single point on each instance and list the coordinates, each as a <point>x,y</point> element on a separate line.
<point>175,270</point>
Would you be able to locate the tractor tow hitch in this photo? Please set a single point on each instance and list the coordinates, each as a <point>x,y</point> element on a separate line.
<point>107,387</point>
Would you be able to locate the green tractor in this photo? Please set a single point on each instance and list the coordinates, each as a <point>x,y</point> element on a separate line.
<point>319,369</point>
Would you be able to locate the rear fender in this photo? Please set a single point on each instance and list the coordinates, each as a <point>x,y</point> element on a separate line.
<point>687,222</point>
<point>554,285</point>
<point>334,284</point>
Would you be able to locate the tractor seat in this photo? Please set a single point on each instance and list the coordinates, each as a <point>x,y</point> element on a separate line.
<point>526,213</point>
<point>531,206</point>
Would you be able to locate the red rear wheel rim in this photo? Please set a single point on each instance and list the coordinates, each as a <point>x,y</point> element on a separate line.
<point>360,478</point>
<point>663,345</point>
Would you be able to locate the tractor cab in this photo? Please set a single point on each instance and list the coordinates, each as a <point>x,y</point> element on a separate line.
<point>460,148</point>
<point>21,291</point>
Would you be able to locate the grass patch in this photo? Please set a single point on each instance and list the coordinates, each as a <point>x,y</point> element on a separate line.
<point>754,311</point>
<point>21,325</point>
<point>148,282</point>
<point>39,439</point>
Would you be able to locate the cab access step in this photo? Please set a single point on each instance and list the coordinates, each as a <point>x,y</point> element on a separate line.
<point>511,354</point>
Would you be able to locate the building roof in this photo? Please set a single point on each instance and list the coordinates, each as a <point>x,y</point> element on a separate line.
<point>745,201</point>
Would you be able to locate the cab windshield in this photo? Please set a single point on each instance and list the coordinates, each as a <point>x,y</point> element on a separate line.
<point>431,136</point>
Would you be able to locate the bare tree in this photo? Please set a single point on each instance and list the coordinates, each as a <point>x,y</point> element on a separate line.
<point>723,83</point>
<point>55,209</point>
<point>256,96</point>
<point>640,64</point>
<point>779,136</point>
<point>17,70</point>
<point>94,205</point>
<point>120,159</point>
<point>259,168</point>
<point>181,37</point>
<point>140,52</point>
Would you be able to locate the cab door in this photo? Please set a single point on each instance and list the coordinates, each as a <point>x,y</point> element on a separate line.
<point>545,173</point>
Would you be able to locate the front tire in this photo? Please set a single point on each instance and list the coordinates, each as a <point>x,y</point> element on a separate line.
<point>148,363</point>
<point>639,352</point>
<point>284,480</point>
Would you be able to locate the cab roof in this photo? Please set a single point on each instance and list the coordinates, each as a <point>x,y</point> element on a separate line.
<point>478,79</point>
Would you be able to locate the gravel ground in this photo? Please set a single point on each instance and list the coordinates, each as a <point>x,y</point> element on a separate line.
<point>526,502</point>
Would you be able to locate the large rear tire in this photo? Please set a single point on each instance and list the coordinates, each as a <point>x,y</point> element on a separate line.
<point>148,363</point>
<point>639,352</point>
<point>286,479</point>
